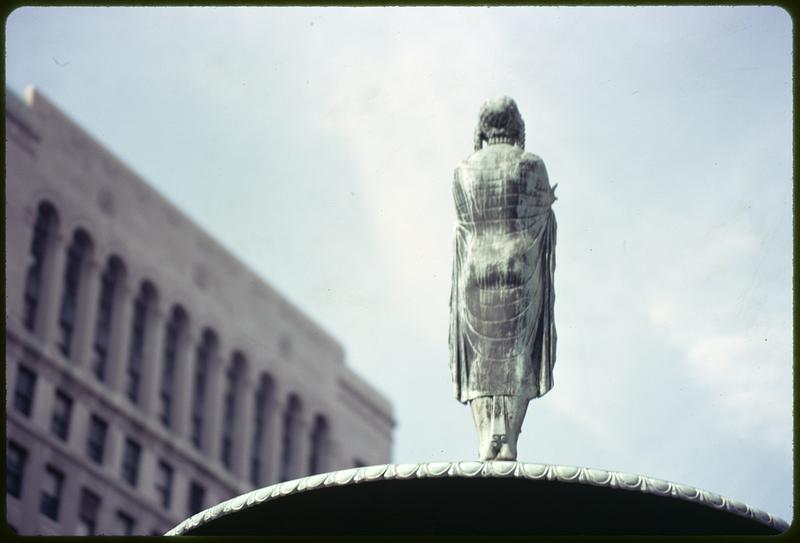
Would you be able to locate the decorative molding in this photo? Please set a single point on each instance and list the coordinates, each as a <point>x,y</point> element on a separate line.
<point>361,405</point>
<point>522,470</point>
<point>21,130</point>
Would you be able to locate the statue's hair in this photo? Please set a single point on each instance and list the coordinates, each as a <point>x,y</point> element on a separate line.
<point>499,121</point>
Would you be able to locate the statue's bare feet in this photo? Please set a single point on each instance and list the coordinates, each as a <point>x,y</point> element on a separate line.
<point>487,453</point>
<point>488,449</point>
<point>507,452</point>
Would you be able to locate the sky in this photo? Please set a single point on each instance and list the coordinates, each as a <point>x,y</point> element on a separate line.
<point>318,145</point>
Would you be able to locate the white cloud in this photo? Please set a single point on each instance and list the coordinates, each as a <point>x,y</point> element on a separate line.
<point>748,382</point>
<point>662,311</point>
<point>405,128</point>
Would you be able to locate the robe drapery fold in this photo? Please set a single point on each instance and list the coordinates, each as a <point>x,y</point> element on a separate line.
<point>502,330</point>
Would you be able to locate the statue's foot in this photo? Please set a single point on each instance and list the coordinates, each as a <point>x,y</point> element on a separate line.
<point>486,452</point>
<point>507,452</point>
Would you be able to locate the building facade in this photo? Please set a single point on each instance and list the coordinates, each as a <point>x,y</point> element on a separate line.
<point>149,373</point>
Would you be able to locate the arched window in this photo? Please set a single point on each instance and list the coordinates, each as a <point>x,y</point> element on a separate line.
<point>205,351</point>
<point>173,340</point>
<point>261,419</point>
<point>235,380</point>
<point>291,423</point>
<point>44,231</point>
<point>78,255</point>
<point>110,286</point>
<point>143,308</point>
<point>318,460</point>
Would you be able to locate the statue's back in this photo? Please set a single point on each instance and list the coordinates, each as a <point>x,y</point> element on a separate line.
<point>502,335</point>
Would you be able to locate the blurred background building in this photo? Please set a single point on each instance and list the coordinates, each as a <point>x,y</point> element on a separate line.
<point>149,373</point>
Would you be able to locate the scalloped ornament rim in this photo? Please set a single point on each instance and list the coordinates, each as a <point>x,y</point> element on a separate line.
<point>549,472</point>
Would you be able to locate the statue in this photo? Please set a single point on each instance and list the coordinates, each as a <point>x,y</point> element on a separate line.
<point>502,333</point>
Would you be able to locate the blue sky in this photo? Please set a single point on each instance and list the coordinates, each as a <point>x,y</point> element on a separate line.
<point>318,144</point>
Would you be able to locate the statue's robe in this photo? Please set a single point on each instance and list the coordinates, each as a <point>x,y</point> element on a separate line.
<point>502,331</point>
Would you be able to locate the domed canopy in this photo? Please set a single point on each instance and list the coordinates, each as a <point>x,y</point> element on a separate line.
<point>512,498</point>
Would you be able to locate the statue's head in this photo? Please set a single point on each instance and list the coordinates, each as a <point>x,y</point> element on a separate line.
<point>500,122</point>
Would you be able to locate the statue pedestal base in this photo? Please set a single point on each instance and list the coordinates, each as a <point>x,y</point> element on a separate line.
<point>478,498</point>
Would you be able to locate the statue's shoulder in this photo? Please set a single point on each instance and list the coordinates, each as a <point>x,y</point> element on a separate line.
<point>471,163</point>
<point>531,159</point>
<point>492,156</point>
<point>499,157</point>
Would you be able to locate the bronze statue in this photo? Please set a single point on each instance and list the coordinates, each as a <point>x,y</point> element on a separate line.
<point>502,333</point>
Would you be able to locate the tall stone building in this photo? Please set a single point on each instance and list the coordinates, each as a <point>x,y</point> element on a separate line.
<point>149,373</point>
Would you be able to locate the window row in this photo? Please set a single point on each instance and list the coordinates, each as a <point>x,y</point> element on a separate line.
<point>126,367</point>
<point>97,429</point>
<point>51,493</point>
<point>107,331</point>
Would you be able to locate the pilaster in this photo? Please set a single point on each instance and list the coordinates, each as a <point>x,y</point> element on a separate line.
<point>184,384</point>
<point>52,285</point>
<point>152,361</point>
<point>117,362</point>
<point>215,400</point>
<point>273,440</point>
<point>243,434</point>
<point>86,320</point>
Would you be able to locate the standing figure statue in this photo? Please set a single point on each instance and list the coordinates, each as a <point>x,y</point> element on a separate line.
<point>502,333</point>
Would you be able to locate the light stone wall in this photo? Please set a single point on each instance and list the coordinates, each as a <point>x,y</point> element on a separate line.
<point>50,158</point>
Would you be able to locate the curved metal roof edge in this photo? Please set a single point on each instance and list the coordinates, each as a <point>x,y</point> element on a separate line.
<point>549,472</point>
